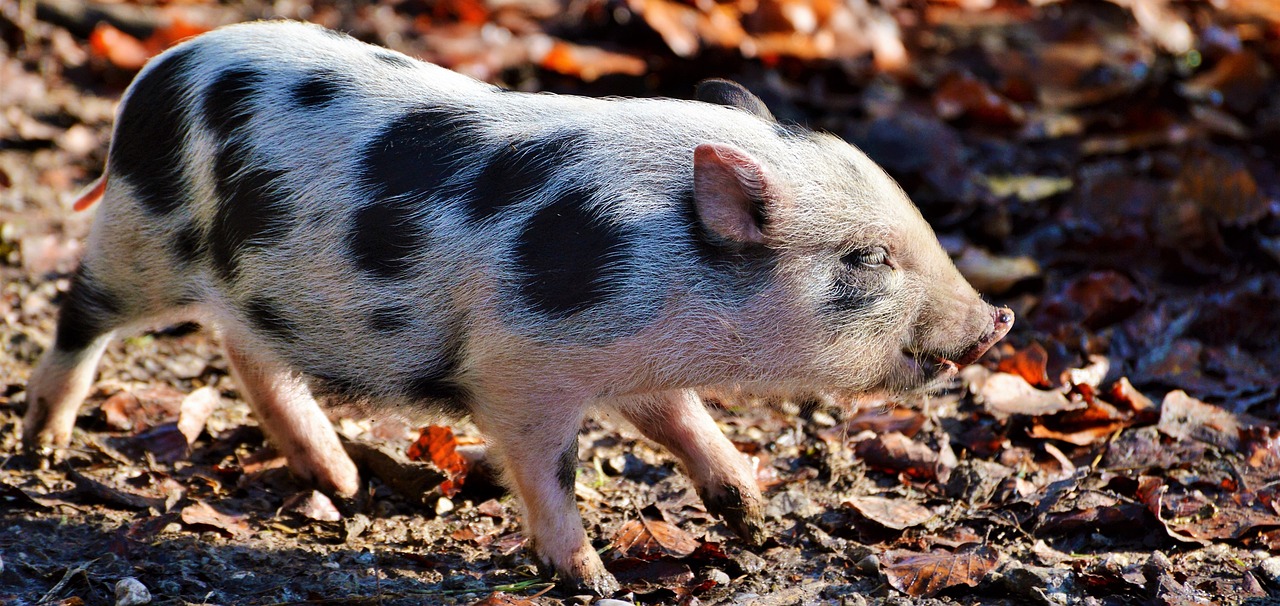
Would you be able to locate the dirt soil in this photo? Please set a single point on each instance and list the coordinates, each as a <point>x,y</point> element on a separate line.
<point>1109,170</point>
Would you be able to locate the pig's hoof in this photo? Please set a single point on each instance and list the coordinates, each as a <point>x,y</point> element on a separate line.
<point>741,512</point>
<point>585,573</point>
<point>602,584</point>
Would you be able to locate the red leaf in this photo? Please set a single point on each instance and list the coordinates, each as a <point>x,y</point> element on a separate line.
<point>438,445</point>
<point>1029,363</point>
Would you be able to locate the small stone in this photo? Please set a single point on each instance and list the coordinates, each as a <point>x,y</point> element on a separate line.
<point>869,565</point>
<point>443,506</point>
<point>612,602</point>
<point>750,563</point>
<point>131,592</point>
<point>717,576</point>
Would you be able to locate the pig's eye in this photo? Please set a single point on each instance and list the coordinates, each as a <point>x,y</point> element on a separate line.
<point>870,257</point>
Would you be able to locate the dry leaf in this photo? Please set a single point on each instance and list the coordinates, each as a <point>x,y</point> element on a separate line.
<point>648,539</point>
<point>898,514</point>
<point>925,574</point>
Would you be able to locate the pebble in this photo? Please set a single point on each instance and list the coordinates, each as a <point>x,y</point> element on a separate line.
<point>717,576</point>
<point>131,592</point>
<point>612,602</point>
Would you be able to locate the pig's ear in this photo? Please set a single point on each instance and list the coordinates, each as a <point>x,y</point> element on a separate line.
<point>732,94</point>
<point>731,192</point>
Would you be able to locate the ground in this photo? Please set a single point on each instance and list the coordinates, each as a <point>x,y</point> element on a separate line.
<point>1108,170</point>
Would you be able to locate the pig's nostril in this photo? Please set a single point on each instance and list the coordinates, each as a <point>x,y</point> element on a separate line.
<point>1004,317</point>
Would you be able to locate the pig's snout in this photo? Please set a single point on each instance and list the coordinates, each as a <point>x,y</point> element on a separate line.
<point>1002,321</point>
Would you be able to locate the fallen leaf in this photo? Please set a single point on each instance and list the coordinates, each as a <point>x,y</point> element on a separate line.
<point>438,445</point>
<point>649,539</point>
<point>925,574</point>
<point>994,274</point>
<point>896,453</point>
<point>898,514</point>
<point>202,514</point>
<point>1007,394</point>
<point>589,63</point>
<point>195,410</point>
<point>1183,417</point>
<point>1030,363</point>
<point>639,575</point>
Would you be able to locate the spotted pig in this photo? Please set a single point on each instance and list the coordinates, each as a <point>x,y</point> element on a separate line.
<point>362,225</point>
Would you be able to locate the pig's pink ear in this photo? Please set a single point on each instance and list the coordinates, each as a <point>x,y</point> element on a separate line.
<point>731,191</point>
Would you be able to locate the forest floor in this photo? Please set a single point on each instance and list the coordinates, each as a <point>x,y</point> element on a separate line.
<point>1108,170</point>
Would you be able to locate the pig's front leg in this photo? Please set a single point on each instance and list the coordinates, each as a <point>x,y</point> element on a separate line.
<point>293,421</point>
<point>724,477</point>
<point>536,444</point>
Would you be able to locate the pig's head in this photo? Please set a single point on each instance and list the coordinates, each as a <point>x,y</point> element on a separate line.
<point>867,298</point>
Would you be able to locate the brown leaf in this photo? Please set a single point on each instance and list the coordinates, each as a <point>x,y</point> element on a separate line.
<point>649,539</point>
<point>411,479</point>
<point>201,514</point>
<point>896,453</point>
<point>1006,394</point>
<point>438,445</point>
<point>898,514</point>
<point>925,574</point>
<point>992,274</point>
<point>1183,417</point>
<point>639,574</point>
<point>195,410</point>
<point>141,409</point>
<point>962,95</point>
<point>879,419</point>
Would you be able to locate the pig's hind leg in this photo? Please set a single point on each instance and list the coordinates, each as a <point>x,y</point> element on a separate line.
<point>291,418</point>
<point>724,477</point>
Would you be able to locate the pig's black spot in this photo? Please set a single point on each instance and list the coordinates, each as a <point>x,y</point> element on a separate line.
<point>186,244</point>
<point>267,317</point>
<point>393,59</point>
<point>228,101</point>
<point>338,386</point>
<point>390,319</point>
<point>252,209</point>
<point>317,89</point>
<point>146,149</point>
<point>88,312</point>
<point>437,385</point>
<point>847,298</point>
<point>567,467</point>
<point>416,154</point>
<point>518,170</point>
<point>384,237</point>
<point>568,256</point>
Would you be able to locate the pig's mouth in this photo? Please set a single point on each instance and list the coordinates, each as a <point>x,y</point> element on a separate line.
<point>934,366</point>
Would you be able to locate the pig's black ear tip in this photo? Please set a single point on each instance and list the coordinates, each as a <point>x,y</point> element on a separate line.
<point>731,94</point>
